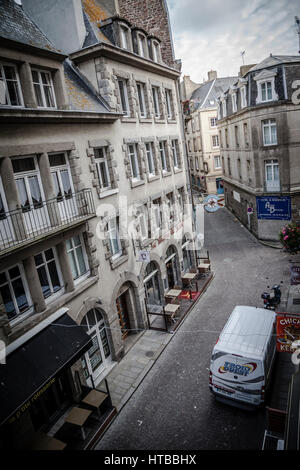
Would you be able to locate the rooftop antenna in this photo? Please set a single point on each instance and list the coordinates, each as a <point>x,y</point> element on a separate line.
<point>297,24</point>
<point>242,54</point>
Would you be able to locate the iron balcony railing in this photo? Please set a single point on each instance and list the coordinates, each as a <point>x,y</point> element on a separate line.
<point>33,220</point>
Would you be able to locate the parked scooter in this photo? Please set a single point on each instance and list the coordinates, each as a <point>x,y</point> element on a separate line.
<point>271,301</point>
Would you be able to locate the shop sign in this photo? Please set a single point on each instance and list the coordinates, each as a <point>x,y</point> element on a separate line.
<point>26,405</point>
<point>295,275</point>
<point>273,208</point>
<point>144,255</point>
<point>288,331</point>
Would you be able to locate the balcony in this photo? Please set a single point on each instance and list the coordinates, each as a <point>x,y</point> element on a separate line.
<point>272,186</point>
<point>30,223</point>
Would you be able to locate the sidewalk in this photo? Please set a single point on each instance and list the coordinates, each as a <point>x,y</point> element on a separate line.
<point>127,375</point>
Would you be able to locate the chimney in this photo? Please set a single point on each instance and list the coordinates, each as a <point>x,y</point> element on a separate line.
<point>212,74</point>
<point>245,68</point>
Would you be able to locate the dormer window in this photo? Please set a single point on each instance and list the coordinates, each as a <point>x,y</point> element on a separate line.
<point>243,97</point>
<point>155,50</point>
<point>266,86</point>
<point>224,107</point>
<point>43,88</point>
<point>10,90</point>
<point>234,102</point>
<point>141,42</point>
<point>124,37</point>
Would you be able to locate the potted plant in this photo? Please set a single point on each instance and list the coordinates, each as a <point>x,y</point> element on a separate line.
<point>289,237</point>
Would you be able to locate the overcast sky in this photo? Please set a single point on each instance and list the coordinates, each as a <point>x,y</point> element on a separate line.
<point>211,34</point>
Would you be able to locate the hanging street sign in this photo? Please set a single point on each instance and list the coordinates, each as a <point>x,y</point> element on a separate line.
<point>213,202</point>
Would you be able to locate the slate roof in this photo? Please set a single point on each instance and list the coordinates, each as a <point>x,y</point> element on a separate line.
<point>274,60</point>
<point>93,14</point>
<point>210,91</point>
<point>82,96</point>
<point>17,26</point>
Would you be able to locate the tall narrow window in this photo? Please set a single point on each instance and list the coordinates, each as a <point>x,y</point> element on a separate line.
<point>269,132</point>
<point>163,157</point>
<point>142,101</point>
<point>10,90</point>
<point>102,167</point>
<point>168,95</point>
<point>266,91</point>
<point>124,97</point>
<point>215,140</point>
<point>236,133</point>
<point>47,268</point>
<point>155,51</point>
<point>124,37</point>
<point>14,291</point>
<point>77,256</point>
<point>175,153</point>
<point>155,92</point>
<point>114,237</point>
<point>150,158</point>
<point>134,163</point>
<point>217,162</point>
<point>213,122</point>
<point>141,45</point>
<point>272,175</point>
<point>43,87</point>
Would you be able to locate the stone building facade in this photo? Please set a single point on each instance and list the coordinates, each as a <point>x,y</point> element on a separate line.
<point>258,124</point>
<point>202,137</point>
<point>91,143</point>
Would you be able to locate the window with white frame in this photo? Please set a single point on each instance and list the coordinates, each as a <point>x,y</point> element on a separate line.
<point>77,256</point>
<point>10,89</point>
<point>143,222</point>
<point>272,175</point>
<point>43,87</point>
<point>168,95</point>
<point>197,164</point>
<point>224,107</point>
<point>175,153</point>
<point>234,102</point>
<point>269,132</point>
<point>14,291</point>
<point>243,97</point>
<point>124,36</point>
<point>134,162</point>
<point>213,122</point>
<point>142,101</point>
<point>266,91</point>
<point>266,86</point>
<point>155,51</point>
<point>122,83</point>
<point>171,215</point>
<point>101,161</point>
<point>155,96</point>
<point>215,140</point>
<point>114,237</point>
<point>163,156</point>
<point>141,41</point>
<point>150,158</point>
<point>48,271</point>
<point>157,216</point>
<point>217,162</point>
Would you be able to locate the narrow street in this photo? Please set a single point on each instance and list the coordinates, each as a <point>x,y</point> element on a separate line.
<point>173,408</point>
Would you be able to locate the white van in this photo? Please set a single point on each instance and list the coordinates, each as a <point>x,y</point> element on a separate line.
<point>243,356</point>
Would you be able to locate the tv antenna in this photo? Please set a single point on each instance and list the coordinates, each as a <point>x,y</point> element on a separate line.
<point>242,54</point>
<point>297,25</point>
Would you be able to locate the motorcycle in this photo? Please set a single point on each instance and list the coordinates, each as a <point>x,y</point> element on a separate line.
<point>271,302</point>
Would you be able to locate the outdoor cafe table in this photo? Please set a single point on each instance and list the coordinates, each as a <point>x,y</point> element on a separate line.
<point>78,416</point>
<point>171,309</point>
<point>189,276</point>
<point>45,442</point>
<point>173,294</point>
<point>95,398</point>
<point>203,266</point>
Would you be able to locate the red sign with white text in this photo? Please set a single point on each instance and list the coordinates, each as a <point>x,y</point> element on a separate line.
<point>288,331</point>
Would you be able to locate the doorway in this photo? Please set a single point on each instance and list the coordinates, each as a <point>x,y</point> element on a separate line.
<point>122,309</point>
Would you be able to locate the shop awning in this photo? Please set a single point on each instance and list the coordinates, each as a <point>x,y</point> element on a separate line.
<point>29,369</point>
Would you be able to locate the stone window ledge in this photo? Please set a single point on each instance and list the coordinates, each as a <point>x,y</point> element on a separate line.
<point>108,192</point>
<point>146,242</point>
<point>166,173</point>
<point>172,121</point>
<point>134,184</point>
<point>117,262</point>
<point>128,119</point>
<point>153,178</point>
<point>145,120</point>
<point>159,121</point>
<point>178,170</point>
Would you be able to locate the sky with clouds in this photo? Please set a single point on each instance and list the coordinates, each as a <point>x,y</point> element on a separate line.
<point>211,34</point>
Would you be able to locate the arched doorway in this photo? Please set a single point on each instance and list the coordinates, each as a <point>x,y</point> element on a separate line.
<point>98,357</point>
<point>152,284</point>
<point>186,254</point>
<point>126,309</point>
<point>171,267</point>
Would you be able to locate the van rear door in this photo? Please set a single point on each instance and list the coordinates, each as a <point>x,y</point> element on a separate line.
<point>237,377</point>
